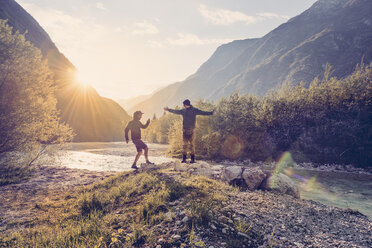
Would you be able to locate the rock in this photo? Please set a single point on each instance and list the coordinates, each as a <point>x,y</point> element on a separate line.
<point>243,235</point>
<point>281,183</point>
<point>169,216</point>
<point>213,226</point>
<point>253,177</point>
<point>180,167</point>
<point>223,219</point>
<point>232,173</point>
<point>185,219</point>
<point>176,237</point>
<point>206,172</point>
<point>145,167</point>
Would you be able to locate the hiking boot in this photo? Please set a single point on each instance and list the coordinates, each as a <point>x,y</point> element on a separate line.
<point>134,166</point>
<point>183,159</point>
<point>148,162</point>
<point>192,159</point>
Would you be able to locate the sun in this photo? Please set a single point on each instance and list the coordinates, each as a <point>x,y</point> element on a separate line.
<point>82,78</point>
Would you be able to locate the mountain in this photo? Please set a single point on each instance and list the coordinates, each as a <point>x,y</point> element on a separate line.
<point>335,32</point>
<point>93,118</point>
<point>131,102</point>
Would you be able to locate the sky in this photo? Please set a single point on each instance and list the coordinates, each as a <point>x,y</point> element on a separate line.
<point>126,48</point>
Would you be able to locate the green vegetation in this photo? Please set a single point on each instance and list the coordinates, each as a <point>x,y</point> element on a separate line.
<point>329,121</point>
<point>120,211</point>
<point>28,116</point>
<point>157,132</point>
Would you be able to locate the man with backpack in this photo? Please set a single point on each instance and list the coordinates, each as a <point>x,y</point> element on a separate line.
<point>189,114</point>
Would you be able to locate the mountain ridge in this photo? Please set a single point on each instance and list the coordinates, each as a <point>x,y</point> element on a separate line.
<point>329,32</point>
<point>105,115</point>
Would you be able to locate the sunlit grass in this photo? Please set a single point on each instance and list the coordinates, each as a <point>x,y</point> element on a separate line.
<point>119,210</point>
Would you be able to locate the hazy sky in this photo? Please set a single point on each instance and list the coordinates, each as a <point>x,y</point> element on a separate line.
<point>125,48</point>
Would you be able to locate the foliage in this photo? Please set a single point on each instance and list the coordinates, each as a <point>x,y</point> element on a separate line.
<point>28,116</point>
<point>157,132</point>
<point>328,122</point>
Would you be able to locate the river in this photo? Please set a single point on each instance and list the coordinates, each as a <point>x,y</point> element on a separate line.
<point>340,189</point>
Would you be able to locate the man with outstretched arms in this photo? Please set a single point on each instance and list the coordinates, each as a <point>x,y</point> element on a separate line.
<point>189,114</point>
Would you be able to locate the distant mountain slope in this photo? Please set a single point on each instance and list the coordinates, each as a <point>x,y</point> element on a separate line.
<point>92,117</point>
<point>338,32</point>
<point>131,102</point>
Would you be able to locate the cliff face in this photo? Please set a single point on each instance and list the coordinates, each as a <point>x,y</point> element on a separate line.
<point>335,32</point>
<point>92,117</point>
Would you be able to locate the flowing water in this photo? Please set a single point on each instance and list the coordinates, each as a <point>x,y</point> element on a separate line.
<point>107,156</point>
<point>340,189</point>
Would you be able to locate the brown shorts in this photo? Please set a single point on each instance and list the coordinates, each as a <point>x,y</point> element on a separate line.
<point>139,144</point>
<point>188,134</point>
<point>188,141</point>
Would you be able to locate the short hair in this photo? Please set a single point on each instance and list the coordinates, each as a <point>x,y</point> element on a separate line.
<point>187,102</point>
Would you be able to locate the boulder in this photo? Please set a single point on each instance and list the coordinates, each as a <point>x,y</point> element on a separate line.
<point>281,183</point>
<point>146,167</point>
<point>232,173</point>
<point>253,177</point>
<point>204,170</point>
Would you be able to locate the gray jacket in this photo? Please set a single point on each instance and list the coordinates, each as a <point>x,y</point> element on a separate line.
<point>189,115</point>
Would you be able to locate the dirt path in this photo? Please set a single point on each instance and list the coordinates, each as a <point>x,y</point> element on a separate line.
<point>19,201</point>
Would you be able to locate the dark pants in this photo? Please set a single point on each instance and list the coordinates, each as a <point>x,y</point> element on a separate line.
<point>188,141</point>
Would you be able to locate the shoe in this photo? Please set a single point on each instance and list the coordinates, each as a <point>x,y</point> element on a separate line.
<point>148,162</point>
<point>192,159</point>
<point>183,159</point>
<point>134,166</point>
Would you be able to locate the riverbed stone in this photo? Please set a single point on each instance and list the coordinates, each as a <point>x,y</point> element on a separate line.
<point>278,182</point>
<point>232,173</point>
<point>253,177</point>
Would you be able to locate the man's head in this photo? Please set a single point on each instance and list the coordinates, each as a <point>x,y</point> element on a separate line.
<point>137,115</point>
<point>186,103</point>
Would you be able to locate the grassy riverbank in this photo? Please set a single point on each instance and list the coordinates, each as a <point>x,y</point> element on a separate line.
<point>121,211</point>
<point>174,207</point>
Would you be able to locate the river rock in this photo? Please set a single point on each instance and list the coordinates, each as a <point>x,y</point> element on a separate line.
<point>282,184</point>
<point>204,169</point>
<point>253,177</point>
<point>232,173</point>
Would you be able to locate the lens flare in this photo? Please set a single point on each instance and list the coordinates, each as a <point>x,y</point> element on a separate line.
<point>283,166</point>
<point>285,162</point>
<point>307,184</point>
<point>232,147</point>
